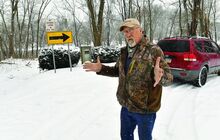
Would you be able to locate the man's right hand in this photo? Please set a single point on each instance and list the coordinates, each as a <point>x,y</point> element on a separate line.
<point>94,67</point>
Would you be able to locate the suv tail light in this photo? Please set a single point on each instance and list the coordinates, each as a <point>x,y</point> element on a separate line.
<point>189,57</point>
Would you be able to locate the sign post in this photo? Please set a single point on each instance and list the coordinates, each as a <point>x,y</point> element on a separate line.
<point>69,57</point>
<point>54,62</point>
<point>50,26</point>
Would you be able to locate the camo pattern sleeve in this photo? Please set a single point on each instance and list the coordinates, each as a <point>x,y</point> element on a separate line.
<point>111,71</point>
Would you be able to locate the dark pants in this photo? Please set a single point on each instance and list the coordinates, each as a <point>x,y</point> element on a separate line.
<point>129,120</point>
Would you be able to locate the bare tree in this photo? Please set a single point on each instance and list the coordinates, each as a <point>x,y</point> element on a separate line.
<point>145,16</point>
<point>214,9</point>
<point>150,20</point>
<point>77,24</point>
<point>120,9</point>
<point>30,9</point>
<point>126,9</point>
<point>186,16</point>
<point>20,26</point>
<point>201,18</point>
<point>96,22</point>
<point>33,38</point>
<point>180,18</point>
<point>14,10</point>
<point>108,26</point>
<point>43,5</point>
<point>125,14</point>
<point>1,49</point>
<point>130,9</point>
<point>138,10</point>
<point>195,15</point>
<point>200,11</point>
<point>173,22</point>
<point>4,45</point>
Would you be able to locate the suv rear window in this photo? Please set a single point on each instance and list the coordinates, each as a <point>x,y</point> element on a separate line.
<point>174,45</point>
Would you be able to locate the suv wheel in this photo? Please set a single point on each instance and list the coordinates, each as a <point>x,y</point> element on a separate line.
<point>201,80</point>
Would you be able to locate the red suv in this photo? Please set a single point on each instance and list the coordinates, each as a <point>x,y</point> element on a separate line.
<point>191,58</point>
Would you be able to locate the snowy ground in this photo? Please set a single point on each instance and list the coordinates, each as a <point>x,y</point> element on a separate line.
<point>75,105</point>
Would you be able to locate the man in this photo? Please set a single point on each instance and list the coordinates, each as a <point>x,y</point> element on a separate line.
<point>142,71</point>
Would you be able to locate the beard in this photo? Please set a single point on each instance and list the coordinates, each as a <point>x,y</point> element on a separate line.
<point>131,42</point>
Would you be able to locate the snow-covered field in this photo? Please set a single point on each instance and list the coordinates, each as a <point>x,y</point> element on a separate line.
<point>75,105</point>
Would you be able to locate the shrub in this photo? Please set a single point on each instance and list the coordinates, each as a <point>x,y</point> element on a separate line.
<point>107,54</point>
<point>61,58</point>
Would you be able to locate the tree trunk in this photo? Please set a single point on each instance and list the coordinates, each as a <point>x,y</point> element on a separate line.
<point>20,26</point>
<point>150,21</point>
<point>139,11</point>
<point>108,26</point>
<point>76,34</point>
<point>2,51</point>
<point>180,18</point>
<point>214,16</point>
<point>172,22</point>
<point>130,9</point>
<point>195,14</point>
<point>37,41</point>
<point>33,39</point>
<point>144,14</point>
<point>30,9</point>
<point>187,17</point>
<point>124,10</point>
<point>96,23</point>
<point>202,19</point>
<point>14,8</point>
<point>43,5</point>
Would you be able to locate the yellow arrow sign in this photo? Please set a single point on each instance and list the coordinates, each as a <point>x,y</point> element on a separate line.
<point>59,37</point>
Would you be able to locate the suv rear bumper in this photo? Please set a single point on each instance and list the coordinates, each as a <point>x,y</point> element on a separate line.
<point>186,75</point>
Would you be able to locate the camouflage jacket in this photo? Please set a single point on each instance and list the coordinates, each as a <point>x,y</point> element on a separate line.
<point>135,89</point>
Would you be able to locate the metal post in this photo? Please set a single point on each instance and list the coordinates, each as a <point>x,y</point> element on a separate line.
<point>54,64</point>
<point>69,57</point>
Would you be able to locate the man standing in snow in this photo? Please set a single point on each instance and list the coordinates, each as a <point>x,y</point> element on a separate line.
<point>142,71</point>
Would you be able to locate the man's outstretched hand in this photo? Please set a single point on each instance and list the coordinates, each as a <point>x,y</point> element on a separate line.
<point>94,67</point>
<point>158,72</point>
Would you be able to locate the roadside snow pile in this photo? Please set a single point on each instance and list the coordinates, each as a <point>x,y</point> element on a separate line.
<point>61,57</point>
<point>13,69</point>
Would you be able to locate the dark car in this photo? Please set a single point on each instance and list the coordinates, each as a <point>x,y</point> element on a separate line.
<point>191,58</point>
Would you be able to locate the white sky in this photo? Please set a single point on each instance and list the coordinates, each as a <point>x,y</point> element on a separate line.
<point>77,105</point>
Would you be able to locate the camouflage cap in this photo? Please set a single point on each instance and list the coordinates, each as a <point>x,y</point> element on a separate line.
<point>130,22</point>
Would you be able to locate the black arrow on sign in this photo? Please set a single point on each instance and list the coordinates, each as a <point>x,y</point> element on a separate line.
<point>64,37</point>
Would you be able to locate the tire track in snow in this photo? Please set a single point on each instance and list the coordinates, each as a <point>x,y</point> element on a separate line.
<point>184,111</point>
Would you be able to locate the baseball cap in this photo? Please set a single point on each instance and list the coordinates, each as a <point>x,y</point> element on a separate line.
<point>130,22</point>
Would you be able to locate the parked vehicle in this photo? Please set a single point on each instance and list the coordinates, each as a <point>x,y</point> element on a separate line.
<point>191,58</point>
